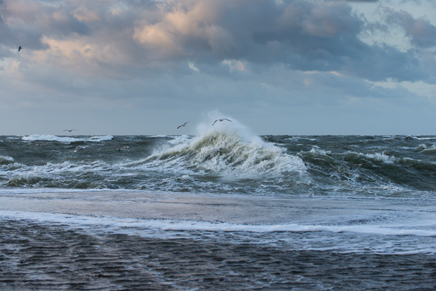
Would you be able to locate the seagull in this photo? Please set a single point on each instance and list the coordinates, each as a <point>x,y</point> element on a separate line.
<point>123,147</point>
<point>69,130</point>
<point>183,125</point>
<point>222,119</point>
<point>78,148</point>
<point>19,48</point>
<point>358,165</point>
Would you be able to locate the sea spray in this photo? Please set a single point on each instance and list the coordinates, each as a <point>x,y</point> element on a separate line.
<point>227,149</point>
<point>224,157</point>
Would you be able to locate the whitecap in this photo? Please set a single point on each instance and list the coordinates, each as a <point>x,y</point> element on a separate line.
<point>228,149</point>
<point>431,150</point>
<point>65,139</point>
<point>160,135</point>
<point>48,137</point>
<point>382,157</point>
<point>99,138</point>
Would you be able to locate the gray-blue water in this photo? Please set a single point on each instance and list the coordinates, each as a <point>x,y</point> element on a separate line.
<point>225,161</point>
<point>223,209</point>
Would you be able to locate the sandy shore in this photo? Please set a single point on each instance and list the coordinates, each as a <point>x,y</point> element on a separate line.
<point>238,209</point>
<point>37,256</point>
<point>131,240</point>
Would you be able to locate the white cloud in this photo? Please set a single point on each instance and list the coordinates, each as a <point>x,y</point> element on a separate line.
<point>235,65</point>
<point>193,67</point>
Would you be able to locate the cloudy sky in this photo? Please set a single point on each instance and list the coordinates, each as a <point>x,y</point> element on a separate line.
<point>276,66</point>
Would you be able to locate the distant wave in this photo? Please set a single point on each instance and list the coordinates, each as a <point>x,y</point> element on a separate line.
<point>162,135</point>
<point>381,157</point>
<point>65,139</point>
<point>431,150</point>
<point>6,160</point>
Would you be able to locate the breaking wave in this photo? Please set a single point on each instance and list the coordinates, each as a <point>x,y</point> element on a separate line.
<point>227,149</point>
<point>6,160</point>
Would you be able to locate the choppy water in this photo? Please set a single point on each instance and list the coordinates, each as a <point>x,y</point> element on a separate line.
<point>222,209</point>
<point>224,158</point>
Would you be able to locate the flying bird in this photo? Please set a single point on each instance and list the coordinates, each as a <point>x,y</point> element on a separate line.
<point>358,165</point>
<point>183,125</point>
<point>69,130</point>
<point>222,119</point>
<point>78,148</point>
<point>19,48</point>
<point>123,147</point>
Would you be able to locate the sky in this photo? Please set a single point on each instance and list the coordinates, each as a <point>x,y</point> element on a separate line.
<point>280,67</point>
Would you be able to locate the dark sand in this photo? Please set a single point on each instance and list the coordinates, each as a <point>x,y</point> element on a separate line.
<point>49,255</point>
<point>43,257</point>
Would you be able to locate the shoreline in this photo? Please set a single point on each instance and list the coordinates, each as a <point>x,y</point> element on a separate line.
<point>39,256</point>
<point>138,240</point>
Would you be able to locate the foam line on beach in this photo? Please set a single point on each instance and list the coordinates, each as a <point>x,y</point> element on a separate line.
<point>113,223</point>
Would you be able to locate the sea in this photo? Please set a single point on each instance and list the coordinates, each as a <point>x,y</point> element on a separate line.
<point>220,208</point>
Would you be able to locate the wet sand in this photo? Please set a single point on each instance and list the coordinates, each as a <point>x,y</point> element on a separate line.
<point>43,257</point>
<point>38,254</point>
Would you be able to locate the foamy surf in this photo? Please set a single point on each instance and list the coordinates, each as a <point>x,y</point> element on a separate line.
<point>337,224</point>
<point>227,149</point>
<point>65,139</point>
<point>224,157</point>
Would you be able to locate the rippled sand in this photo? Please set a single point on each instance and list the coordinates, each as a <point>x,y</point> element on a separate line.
<point>133,240</point>
<point>34,256</point>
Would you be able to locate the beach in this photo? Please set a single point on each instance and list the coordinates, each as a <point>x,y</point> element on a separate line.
<point>138,240</point>
<point>222,210</point>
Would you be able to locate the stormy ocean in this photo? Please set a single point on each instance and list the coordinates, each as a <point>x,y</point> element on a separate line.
<point>223,209</point>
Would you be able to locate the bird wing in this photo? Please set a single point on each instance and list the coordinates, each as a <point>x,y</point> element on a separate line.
<point>214,122</point>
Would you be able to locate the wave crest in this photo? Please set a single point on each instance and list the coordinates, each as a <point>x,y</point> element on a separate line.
<point>229,150</point>
<point>4,160</point>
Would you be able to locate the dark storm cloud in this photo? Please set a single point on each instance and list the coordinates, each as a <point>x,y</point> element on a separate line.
<point>133,37</point>
<point>26,23</point>
<point>302,34</point>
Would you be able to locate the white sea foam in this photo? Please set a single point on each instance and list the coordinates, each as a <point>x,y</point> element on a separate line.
<point>422,146</point>
<point>317,150</point>
<point>322,237</point>
<point>382,157</point>
<point>192,225</point>
<point>65,139</point>
<point>227,148</point>
<point>48,137</point>
<point>298,138</point>
<point>431,150</point>
<point>98,138</point>
<point>160,135</point>
<point>179,139</point>
<point>426,138</point>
